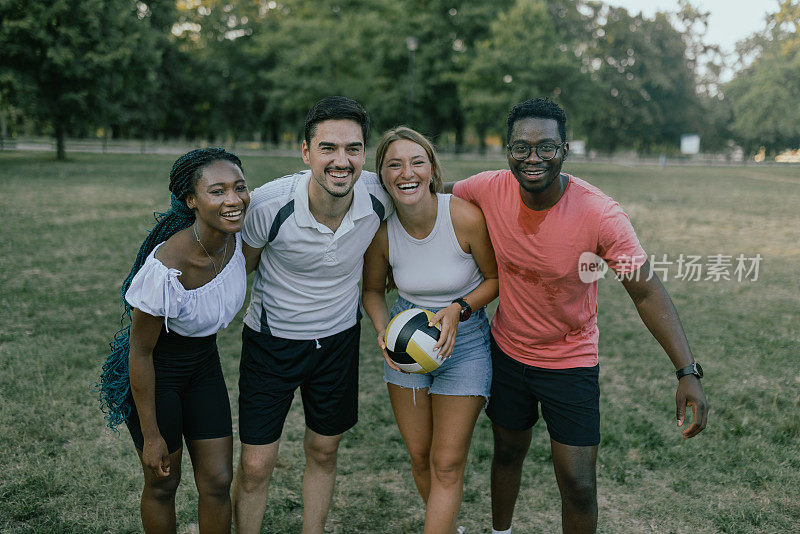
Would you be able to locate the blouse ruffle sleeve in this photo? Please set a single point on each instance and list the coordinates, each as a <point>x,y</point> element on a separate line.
<point>155,290</point>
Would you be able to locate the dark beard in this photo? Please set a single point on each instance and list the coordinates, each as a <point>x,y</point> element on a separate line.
<point>336,194</point>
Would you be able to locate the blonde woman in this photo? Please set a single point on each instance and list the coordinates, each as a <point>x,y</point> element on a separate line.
<point>441,259</point>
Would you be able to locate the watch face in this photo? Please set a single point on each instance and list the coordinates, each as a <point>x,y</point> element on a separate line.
<point>691,369</point>
<point>466,310</point>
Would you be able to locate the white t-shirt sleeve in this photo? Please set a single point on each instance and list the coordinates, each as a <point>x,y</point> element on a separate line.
<point>155,290</point>
<point>257,219</point>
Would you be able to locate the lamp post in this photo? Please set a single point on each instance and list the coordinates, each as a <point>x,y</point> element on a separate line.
<point>411,43</point>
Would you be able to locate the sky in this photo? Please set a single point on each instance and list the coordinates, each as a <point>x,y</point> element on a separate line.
<point>730,20</point>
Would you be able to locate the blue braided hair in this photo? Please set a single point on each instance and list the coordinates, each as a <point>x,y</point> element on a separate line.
<point>114,386</point>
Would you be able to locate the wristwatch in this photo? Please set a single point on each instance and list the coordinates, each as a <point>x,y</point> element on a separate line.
<point>466,309</point>
<point>693,369</point>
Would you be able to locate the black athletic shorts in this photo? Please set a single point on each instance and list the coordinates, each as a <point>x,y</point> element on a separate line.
<point>570,399</point>
<point>272,368</point>
<point>190,393</point>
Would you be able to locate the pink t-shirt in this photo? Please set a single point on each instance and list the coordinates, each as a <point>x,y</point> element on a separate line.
<point>547,316</point>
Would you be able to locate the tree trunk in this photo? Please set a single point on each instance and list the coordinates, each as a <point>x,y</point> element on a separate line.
<point>459,139</point>
<point>3,128</point>
<point>482,140</point>
<point>61,153</point>
<point>275,134</point>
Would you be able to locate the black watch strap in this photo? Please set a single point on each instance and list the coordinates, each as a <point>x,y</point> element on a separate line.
<point>466,309</point>
<point>692,369</point>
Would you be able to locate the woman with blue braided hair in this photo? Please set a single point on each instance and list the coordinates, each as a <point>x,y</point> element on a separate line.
<point>163,376</point>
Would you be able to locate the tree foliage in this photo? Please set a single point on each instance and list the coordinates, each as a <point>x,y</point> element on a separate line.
<point>647,97</point>
<point>228,70</point>
<point>519,59</point>
<point>76,64</point>
<point>764,97</point>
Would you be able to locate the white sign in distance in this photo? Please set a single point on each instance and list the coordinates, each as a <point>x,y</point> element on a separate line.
<point>690,144</point>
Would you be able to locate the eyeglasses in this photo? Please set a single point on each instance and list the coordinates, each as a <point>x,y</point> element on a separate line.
<point>545,151</point>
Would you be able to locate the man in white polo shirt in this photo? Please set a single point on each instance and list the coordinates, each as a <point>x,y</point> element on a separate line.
<point>306,233</point>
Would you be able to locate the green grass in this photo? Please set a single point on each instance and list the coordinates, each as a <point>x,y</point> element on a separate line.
<point>70,231</point>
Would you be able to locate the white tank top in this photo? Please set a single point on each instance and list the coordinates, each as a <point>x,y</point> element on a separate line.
<point>434,270</point>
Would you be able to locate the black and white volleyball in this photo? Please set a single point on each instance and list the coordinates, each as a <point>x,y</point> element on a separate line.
<point>410,341</point>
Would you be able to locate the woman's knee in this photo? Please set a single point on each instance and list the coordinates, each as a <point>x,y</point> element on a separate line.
<point>448,469</point>
<point>163,488</point>
<point>215,482</point>
<point>420,461</point>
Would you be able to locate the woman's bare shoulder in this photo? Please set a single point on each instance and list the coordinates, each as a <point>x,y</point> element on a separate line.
<point>173,253</point>
<point>465,215</point>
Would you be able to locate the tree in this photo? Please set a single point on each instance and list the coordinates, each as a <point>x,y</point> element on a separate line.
<point>447,32</point>
<point>74,61</point>
<point>763,97</point>
<point>764,104</point>
<point>707,61</point>
<point>648,96</point>
<point>521,58</point>
<point>360,49</point>
<point>787,27</point>
<point>210,78</point>
<point>323,47</point>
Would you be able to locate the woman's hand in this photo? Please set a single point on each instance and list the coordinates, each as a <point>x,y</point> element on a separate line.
<point>449,317</point>
<point>382,346</point>
<point>155,456</point>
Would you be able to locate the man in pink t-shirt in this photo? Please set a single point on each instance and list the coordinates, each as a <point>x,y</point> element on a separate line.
<point>549,231</point>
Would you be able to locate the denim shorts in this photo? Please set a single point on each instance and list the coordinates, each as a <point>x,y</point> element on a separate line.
<point>468,371</point>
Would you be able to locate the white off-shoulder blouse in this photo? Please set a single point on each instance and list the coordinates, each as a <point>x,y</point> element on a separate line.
<point>200,312</point>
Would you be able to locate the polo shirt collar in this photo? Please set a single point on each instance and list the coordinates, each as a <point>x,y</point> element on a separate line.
<point>359,208</point>
<point>362,203</point>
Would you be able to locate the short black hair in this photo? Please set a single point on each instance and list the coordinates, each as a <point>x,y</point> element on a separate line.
<point>538,108</point>
<point>335,108</point>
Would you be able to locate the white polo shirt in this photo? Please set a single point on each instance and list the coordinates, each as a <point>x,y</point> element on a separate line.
<point>306,284</point>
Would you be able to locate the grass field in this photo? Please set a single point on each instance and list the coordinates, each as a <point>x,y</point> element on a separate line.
<point>70,231</point>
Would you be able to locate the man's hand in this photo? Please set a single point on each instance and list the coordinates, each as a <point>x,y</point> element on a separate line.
<point>690,393</point>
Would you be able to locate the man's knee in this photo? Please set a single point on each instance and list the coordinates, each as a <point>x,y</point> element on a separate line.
<point>255,466</point>
<point>575,471</point>
<point>580,493</point>
<point>579,490</point>
<point>510,447</point>
<point>322,450</point>
<point>323,456</point>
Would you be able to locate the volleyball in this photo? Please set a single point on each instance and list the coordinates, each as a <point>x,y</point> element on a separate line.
<point>410,341</point>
